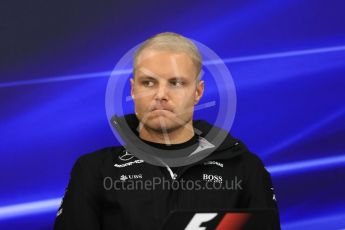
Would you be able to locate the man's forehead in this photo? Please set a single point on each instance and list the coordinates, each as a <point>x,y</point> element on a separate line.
<point>145,73</point>
<point>162,54</point>
<point>158,63</point>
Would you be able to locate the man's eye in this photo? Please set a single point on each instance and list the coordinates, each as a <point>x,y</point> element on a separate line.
<point>177,83</point>
<point>148,83</point>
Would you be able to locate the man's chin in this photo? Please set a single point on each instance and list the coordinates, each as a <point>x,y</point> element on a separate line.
<point>161,126</point>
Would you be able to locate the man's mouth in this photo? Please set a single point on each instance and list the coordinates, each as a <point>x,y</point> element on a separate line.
<point>161,109</point>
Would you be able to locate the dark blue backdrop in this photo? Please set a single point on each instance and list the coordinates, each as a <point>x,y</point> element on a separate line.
<point>287,59</point>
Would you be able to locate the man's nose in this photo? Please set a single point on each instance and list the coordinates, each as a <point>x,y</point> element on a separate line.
<point>162,91</point>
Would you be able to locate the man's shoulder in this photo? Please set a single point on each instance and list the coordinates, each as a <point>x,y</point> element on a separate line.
<point>98,157</point>
<point>251,162</point>
<point>239,151</point>
<point>252,158</point>
<point>244,156</point>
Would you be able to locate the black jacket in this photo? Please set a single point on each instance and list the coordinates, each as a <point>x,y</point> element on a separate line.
<point>110,188</point>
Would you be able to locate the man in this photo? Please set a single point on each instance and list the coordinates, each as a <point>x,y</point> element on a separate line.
<point>165,88</point>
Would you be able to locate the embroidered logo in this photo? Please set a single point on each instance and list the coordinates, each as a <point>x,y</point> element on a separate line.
<point>212,178</point>
<point>131,177</point>
<point>214,163</point>
<point>126,157</point>
<point>128,163</point>
<point>123,177</point>
<point>59,212</point>
<point>274,195</point>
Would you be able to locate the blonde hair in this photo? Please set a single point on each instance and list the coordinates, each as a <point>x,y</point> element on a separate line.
<point>172,42</point>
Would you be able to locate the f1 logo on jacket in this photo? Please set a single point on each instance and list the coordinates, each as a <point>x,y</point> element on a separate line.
<point>230,221</point>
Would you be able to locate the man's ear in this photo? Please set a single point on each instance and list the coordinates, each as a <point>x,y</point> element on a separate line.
<point>132,87</point>
<point>199,91</point>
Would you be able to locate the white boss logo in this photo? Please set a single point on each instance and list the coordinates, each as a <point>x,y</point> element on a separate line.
<point>214,178</point>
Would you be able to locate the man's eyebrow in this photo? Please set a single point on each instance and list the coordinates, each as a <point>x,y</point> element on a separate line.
<point>179,78</point>
<point>147,73</point>
<point>146,77</point>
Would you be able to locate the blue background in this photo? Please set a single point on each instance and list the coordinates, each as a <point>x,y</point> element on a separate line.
<point>287,59</point>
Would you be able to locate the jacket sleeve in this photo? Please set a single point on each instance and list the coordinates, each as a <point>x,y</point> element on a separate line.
<point>80,208</point>
<point>260,192</point>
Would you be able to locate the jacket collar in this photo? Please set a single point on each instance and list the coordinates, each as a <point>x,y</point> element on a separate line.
<point>229,147</point>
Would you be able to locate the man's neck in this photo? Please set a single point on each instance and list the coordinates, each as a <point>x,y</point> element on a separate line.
<point>177,136</point>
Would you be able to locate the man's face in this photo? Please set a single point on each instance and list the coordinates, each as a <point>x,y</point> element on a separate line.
<point>164,89</point>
